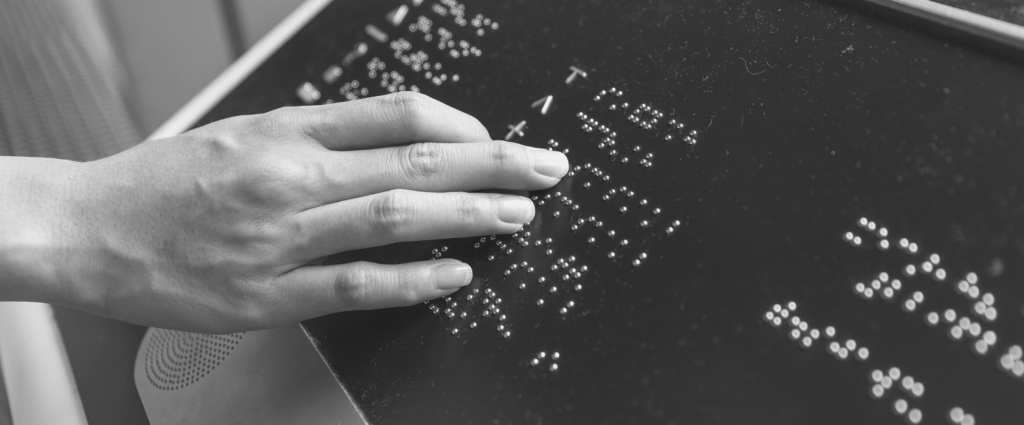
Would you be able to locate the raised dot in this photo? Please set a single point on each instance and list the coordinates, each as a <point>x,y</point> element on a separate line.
<point>877,391</point>
<point>900,406</point>
<point>932,318</point>
<point>972,278</point>
<point>909,270</point>
<point>909,306</point>
<point>1016,352</point>
<point>894,373</point>
<point>907,382</point>
<point>914,416</point>
<point>863,353</point>
<point>876,375</point>
<point>956,332</point>
<point>956,415</point>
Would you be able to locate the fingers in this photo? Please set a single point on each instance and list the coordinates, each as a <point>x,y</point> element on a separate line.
<point>443,167</point>
<point>390,120</point>
<point>402,216</point>
<point>314,291</point>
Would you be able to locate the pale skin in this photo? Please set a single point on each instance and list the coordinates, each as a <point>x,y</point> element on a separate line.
<point>223,228</point>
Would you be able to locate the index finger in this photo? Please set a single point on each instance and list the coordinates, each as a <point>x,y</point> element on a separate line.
<point>391,120</point>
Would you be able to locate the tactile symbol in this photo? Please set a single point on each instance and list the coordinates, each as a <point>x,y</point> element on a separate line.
<point>544,104</point>
<point>395,17</point>
<point>516,130</point>
<point>575,71</point>
<point>357,52</point>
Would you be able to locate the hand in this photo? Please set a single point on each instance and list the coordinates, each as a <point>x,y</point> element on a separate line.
<point>221,229</point>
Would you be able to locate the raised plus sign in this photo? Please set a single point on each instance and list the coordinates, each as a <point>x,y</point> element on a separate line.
<point>516,130</point>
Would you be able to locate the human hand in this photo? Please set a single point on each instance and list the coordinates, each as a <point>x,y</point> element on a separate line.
<point>221,229</point>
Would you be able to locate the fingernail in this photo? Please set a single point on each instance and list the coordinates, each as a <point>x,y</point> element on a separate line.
<point>549,163</point>
<point>452,276</point>
<point>515,209</point>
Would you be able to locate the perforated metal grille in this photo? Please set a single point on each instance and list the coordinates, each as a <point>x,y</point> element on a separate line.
<point>175,360</point>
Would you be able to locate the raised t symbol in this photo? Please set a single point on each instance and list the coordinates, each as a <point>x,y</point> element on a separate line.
<point>516,130</point>
<point>544,104</point>
<point>357,52</point>
<point>575,71</point>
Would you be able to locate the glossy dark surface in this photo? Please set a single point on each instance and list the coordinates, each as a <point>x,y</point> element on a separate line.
<point>810,115</point>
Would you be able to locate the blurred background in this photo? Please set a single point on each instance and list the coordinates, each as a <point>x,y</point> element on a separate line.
<point>172,49</point>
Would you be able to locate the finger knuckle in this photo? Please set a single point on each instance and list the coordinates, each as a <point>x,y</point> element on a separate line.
<point>423,160</point>
<point>505,156</point>
<point>391,212</point>
<point>469,208</point>
<point>355,284</point>
<point>412,110</point>
<point>273,122</point>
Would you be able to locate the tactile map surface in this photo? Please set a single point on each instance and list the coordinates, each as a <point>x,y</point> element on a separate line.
<point>780,211</point>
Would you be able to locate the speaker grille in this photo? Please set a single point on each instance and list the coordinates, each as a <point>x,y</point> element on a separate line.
<point>175,360</point>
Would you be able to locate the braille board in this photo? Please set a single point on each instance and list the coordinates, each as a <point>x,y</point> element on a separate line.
<point>779,212</point>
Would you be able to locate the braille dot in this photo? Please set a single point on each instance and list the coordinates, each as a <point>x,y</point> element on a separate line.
<point>877,391</point>
<point>968,419</point>
<point>886,382</point>
<point>553,367</point>
<point>856,240</point>
<point>815,333</point>
<point>871,225</point>
<point>1016,352</point>
<point>863,222</point>
<point>507,334</point>
<point>896,285</point>
<point>918,297</point>
<point>909,270</point>
<point>907,382</point>
<point>455,331</point>
<point>973,292</point>
<point>988,299</point>
<point>909,306</point>
<point>784,314</point>
<point>914,416</point>
<point>900,406</point>
<point>843,353</point>
<point>540,302</point>
<point>611,254</point>
<point>990,314</point>
<point>956,332</point>
<point>522,286</point>
<point>912,248</point>
<point>643,202</point>
<point>830,332</point>
<point>932,318</point>
<point>851,344</point>
<point>534,362</point>
<point>472,325</point>
<point>876,375</point>
<point>972,278</point>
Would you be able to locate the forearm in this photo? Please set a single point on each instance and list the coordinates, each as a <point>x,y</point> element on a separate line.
<point>32,216</point>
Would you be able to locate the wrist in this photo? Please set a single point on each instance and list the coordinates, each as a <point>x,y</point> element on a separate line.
<point>32,217</point>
